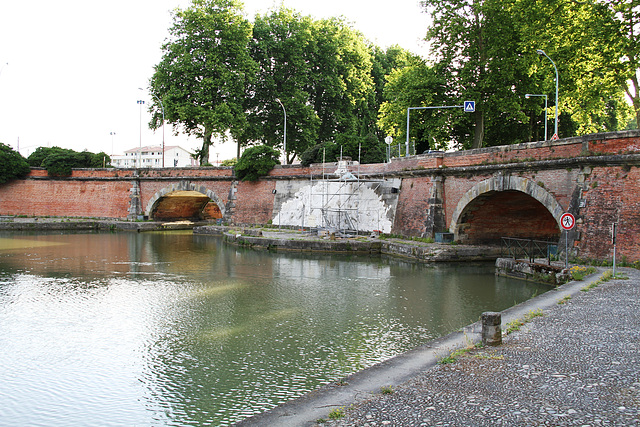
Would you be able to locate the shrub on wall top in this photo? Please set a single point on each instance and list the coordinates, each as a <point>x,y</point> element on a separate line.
<point>256,162</point>
<point>12,164</point>
<point>59,161</point>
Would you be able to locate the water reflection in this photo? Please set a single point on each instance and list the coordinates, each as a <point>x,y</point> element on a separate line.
<point>174,329</point>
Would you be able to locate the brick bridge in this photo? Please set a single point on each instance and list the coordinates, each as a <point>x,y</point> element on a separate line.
<point>479,195</point>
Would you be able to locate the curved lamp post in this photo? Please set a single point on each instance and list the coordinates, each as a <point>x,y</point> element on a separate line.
<point>162,109</point>
<point>285,130</point>
<point>541,52</point>
<point>529,95</point>
<point>141,103</point>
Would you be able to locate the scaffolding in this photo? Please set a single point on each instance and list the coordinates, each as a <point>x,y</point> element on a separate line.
<point>336,197</point>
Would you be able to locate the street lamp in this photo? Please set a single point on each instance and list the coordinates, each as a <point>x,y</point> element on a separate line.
<point>529,95</point>
<point>141,103</point>
<point>162,108</point>
<point>541,52</point>
<point>285,130</point>
<point>112,135</point>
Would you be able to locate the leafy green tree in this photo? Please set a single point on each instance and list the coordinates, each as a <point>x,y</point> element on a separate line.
<point>229,162</point>
<point>12,164</point>
<point>99,160</point>
<point>342,86</point>
<point>203,75</point>
<point>320,72</point>
<point>36,158</point>
<point>256,161</point>
<point>477,43</point>
<point>60,163</point>
<point>416,85</point>
<point>366,149</point>
<point>596,47</point>
<point>280,46</point>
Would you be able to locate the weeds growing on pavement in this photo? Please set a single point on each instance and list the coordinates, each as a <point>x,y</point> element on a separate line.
<point>606,276</point>
<point>387,389</point>
<point>515,325</point>
<point>578,272</point>
<point>564,299</point>
<point>336,413</point>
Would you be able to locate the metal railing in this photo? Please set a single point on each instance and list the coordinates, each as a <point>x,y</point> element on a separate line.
<point>528,248</point>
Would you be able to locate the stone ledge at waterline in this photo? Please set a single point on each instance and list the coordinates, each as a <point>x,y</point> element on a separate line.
<point>288,240</point>
<point>532,271</point>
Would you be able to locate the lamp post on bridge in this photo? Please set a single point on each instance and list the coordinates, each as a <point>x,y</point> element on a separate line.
<point>285,130</point>
<point>162,109</point>
<point>555,130</point>
<point>141,103</point>
<point>528,95</point>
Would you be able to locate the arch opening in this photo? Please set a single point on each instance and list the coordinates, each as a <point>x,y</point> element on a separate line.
<point>184,205</point>
<point>509,213</point>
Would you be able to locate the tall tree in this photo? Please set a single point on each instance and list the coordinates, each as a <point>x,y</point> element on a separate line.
<point>415,84</point>
<point>280,47</point>
<point>320,71</point>
<point>204,72</point>
<point>342,84</point>
<point>476,44</point>
<point>596,47</point>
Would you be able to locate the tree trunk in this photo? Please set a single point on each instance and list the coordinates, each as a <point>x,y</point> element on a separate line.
<point>206,143</point>
<point>478,132</point>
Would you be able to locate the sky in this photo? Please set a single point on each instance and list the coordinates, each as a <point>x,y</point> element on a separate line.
<point>70,70</point>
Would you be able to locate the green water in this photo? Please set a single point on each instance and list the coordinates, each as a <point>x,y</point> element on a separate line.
<point>171,329</point>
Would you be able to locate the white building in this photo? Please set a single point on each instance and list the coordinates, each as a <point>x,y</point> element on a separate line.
<point>151,157</point>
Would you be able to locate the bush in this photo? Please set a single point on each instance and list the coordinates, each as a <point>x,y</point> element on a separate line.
<point>229,162</point>
<point>256,162</point>
<point>59,161</point>
<point>12,164</point>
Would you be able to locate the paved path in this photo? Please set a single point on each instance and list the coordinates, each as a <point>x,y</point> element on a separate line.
<point>577,364</point>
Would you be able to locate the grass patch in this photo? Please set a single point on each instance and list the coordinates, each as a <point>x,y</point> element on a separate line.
<point>606,276</point>
<point>455,355</point>
<point>515,325</point>
<point>565,299</point>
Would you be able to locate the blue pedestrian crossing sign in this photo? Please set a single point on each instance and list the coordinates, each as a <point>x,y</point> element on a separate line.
<point>469,106</point>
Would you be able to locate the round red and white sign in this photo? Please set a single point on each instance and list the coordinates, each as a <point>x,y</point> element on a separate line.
<point>567,221</point>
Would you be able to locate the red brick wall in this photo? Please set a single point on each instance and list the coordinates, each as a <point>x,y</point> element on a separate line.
<point>413,206</point>
<point>254,202</point>
<point>612,195</point>
<point>97,199</point>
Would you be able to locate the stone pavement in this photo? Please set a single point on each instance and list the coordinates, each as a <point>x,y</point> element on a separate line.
<point>577,364</point>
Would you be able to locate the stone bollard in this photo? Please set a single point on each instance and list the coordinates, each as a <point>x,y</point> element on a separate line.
<point>491,331</point>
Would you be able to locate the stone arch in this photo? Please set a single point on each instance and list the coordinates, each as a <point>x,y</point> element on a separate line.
<point>179,187</point>
<point>505,183</point>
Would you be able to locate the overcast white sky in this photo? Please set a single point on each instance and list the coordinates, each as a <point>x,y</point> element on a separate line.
<point>75,66</point>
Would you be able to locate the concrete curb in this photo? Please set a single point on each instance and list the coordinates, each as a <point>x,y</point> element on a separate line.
<point>305,410</point>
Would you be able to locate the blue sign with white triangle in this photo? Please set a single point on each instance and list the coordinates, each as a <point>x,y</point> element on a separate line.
<point>469,106</point>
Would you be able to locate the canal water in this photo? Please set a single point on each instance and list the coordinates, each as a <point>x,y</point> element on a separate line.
<point>172,329</point>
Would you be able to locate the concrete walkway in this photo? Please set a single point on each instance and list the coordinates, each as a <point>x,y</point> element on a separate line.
<point>577,364</point>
